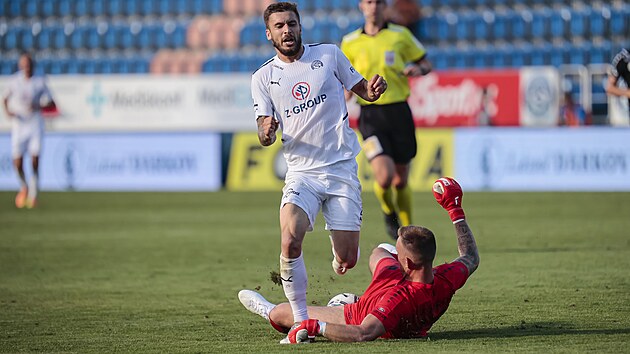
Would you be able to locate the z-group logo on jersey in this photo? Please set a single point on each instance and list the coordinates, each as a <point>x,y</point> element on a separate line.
<point>301,90</point>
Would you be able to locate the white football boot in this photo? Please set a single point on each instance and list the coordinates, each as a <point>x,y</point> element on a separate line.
<point>256,303</point>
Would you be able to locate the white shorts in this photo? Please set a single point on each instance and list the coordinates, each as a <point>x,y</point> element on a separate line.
<point>26,136</point>
<point>334,189</point>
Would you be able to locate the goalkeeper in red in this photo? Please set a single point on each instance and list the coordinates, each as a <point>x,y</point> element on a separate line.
<point>407,294</point>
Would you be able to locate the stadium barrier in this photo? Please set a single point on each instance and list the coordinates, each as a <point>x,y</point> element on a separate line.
<point>222,102</point>
<point>123,162</point>
<point>493,159</point>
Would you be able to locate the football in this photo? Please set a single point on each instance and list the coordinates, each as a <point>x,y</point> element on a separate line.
<point>343,299</point>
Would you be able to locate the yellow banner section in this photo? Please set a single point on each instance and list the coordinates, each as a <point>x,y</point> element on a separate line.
<point>253,167</point>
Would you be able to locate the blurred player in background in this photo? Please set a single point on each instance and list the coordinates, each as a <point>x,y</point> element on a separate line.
<point>407,294</point>
<point>572,114</point>
<point>387,126</point>
<point>301,91</point>
<point>24,99</point>
<point>619,80</point>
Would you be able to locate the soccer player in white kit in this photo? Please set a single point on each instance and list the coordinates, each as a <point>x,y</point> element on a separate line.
<point>301,91</point>
<point>24,99</point>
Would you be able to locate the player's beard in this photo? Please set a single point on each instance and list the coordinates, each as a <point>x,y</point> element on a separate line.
<point>291,51</point>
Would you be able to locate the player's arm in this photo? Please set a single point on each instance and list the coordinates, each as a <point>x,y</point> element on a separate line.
<point>613,89</point>
<point>468,253</point>
<point>448,194</point>
<point>370,329</point>
<point>370,90</point>
<point>267,126</point>
<point>5,103</point>
<point>384,250</point>
<point>420,67</point>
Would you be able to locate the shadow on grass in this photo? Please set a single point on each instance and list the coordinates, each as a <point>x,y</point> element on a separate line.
<point>524,330</point>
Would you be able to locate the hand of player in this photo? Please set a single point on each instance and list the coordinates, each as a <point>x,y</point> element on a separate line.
<point>376,87</point>
<point>449,194</point>
<point>305,332</point>
<point>269,127</point>
<point>412,70</point>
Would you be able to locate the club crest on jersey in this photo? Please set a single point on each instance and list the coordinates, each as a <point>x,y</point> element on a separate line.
<point>301,91</point>
<point>316,64</point>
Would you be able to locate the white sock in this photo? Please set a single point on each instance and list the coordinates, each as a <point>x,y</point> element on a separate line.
<point>33,186</point>
<point>294,283</point>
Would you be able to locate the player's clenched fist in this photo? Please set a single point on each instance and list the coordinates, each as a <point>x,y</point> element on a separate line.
<point>376,87</point>
<point>305,332</point>
<point>267,127</point>
<point>448,194</point>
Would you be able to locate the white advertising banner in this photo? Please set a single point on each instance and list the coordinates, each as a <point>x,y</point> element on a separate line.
<point>219,102</point>
<point>122,162</point>
<point>560,159</point>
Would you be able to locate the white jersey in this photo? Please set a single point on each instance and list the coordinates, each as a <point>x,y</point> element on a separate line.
<point>307,98</point>
<point>25,96</point>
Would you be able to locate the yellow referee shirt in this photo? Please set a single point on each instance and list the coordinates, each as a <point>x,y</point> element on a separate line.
<point>387,53</point>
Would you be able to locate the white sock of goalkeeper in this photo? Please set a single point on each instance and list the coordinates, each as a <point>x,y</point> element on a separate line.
<point>294,283</point>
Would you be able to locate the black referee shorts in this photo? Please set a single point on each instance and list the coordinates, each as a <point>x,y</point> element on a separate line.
<point>391,126</point>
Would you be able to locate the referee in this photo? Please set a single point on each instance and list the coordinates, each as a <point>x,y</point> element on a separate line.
<point>387,125</point>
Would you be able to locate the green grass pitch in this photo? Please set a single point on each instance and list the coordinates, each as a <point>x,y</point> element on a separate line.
<point>159,273</point>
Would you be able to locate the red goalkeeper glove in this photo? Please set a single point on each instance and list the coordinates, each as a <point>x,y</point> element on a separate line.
<point>305,332</point>
<point>448,194</point>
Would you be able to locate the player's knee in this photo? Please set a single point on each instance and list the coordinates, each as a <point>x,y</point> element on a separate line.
<point>291,246</point>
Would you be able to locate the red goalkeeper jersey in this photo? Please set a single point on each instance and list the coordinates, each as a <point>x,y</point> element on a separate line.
<point>406,309</point>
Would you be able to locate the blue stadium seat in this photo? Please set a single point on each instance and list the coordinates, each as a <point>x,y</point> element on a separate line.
<point>597,22</point>
<point>59,38</point>
<point>500,27</point>
<point>480,27</point>
<point>114,7</point>
<point>97,8</point>
<point>148,7</point>
<point>91,66</point>
<point>464,26</point>
<point>126,39</point>
<point>73,66</point>
<point>558,23</point>
<point>78,38</point>
<point>518,27</point>
<point>64,8</point>
<point>130,7</point>
<point>12,38</point>
<point>17,9</point>
<point>46,8</point>
<point>178,37</point>
<point>92,37</point>
<point>8,67</point>
<point>438,59</point>
<point>540,23</point>
<point>140,66</point>
<point>27,40</point>
<point>541,55</point>
<point>619,21</point>
<point>30,8</point>
<point>81,8</point>
<point>577,24</point>
<point>111,38</point>
<point>556,56</point>
<point>57,67</point>
<point>43,39</point>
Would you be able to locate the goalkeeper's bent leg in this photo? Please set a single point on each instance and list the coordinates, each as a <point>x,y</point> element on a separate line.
<point>294,283</point>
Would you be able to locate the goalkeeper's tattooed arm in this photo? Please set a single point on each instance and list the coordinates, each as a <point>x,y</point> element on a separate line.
<point>467,247</point>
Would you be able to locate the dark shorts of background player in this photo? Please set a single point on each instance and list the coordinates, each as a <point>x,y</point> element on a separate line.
<point>393,126</point>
